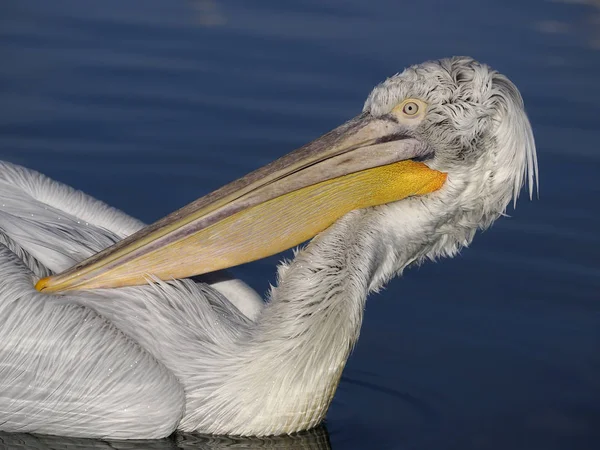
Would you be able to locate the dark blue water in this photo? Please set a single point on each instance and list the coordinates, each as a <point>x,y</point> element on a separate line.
<point>149,104</point>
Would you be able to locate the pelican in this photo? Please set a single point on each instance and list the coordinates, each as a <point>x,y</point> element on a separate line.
<point>125,345</point>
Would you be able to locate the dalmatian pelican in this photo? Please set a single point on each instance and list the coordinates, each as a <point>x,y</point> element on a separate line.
<point>125,345</point>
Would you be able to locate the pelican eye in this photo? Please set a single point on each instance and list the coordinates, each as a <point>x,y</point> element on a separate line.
<point>410,108</point>
<point>410,112</point>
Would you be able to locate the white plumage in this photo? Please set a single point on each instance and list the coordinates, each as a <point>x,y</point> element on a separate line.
<point>142,361</point>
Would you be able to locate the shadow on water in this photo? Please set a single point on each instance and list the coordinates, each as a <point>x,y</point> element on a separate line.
<point>315,439</point>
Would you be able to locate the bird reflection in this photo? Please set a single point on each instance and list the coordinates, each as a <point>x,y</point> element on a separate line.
<point>315,439</point>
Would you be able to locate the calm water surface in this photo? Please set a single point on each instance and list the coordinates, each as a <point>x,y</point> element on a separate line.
<point>148,104</point>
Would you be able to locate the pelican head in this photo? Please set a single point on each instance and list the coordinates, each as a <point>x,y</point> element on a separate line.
<point>448,140</point>
<point>477,132</point>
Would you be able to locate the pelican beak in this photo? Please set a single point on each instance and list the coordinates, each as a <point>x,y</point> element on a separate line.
<point>365,162</point>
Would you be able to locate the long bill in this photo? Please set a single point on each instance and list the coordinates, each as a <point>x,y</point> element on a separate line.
<point>365,162</point>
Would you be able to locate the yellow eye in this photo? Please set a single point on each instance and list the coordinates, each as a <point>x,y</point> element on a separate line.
<point>410,108</point>
<point>411,111</point>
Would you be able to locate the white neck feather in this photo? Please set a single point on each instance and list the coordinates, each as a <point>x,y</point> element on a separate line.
<point>277,375</point>
<point>284,372</point>
<point>287,370</point>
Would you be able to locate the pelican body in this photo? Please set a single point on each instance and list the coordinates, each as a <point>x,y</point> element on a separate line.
<point>102,335</point>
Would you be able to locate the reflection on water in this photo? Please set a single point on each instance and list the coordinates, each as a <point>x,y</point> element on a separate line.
<point>316,439</point>
<point>208,13</point>
<point>587,26</point>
